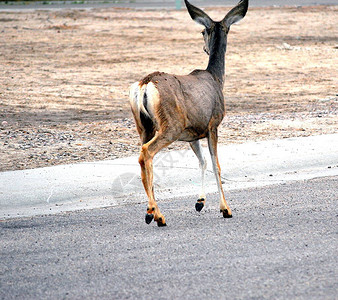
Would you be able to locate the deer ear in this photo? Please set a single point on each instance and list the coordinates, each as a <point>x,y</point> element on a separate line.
<point>198,15</point>
<point>236,14</point>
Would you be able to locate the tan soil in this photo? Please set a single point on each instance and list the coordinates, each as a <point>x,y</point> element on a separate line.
<point>64,77</point>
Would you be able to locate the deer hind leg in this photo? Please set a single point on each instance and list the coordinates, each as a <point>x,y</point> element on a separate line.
<point>196,147</point>
<point>212,143</point>
<point>148,152</point>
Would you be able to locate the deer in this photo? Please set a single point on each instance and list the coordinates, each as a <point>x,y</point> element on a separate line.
<point>167,108</point>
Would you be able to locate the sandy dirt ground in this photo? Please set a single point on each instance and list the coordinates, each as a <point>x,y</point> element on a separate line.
<point>64,77</point>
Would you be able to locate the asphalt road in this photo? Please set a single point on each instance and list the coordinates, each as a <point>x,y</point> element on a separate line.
<point>280,244</point>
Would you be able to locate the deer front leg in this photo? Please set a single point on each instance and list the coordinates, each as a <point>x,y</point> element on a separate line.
<point>212,143</point>
<point>196,147</point>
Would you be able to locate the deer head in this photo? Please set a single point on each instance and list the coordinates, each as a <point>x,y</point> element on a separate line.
<point>215,33</point>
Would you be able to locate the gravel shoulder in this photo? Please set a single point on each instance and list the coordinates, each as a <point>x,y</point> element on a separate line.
<point>65,75</point>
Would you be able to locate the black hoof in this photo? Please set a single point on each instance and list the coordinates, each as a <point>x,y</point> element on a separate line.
<point>149,218</point>
<point>160,224</point>
<point>226,214</point>
<point>199,206</point>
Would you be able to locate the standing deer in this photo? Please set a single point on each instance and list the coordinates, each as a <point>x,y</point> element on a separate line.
<point>188,108</point>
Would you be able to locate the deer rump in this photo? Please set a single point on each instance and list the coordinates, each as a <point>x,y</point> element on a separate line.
<point>190,100</point>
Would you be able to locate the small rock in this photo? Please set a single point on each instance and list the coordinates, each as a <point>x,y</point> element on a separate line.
<point>285,46</point>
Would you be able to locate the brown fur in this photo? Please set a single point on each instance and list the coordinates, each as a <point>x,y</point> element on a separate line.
<point>149,78</point>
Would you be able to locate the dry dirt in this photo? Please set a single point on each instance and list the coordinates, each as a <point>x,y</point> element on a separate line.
<point>64,77</point>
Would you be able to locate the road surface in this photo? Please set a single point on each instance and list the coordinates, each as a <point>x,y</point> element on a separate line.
<point>280,244</point>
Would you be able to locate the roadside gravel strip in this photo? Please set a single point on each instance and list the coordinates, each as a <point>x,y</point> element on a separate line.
<point>148,4</point>
<point>65,76</point>
<point>117,182</point>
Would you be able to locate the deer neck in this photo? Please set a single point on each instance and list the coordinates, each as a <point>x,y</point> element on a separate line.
<point>216,65</point>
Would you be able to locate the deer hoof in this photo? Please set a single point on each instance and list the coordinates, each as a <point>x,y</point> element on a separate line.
<point>199,206</point>
<point>160,223</point>
<point>149,218</point>
<point>226,214</point>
